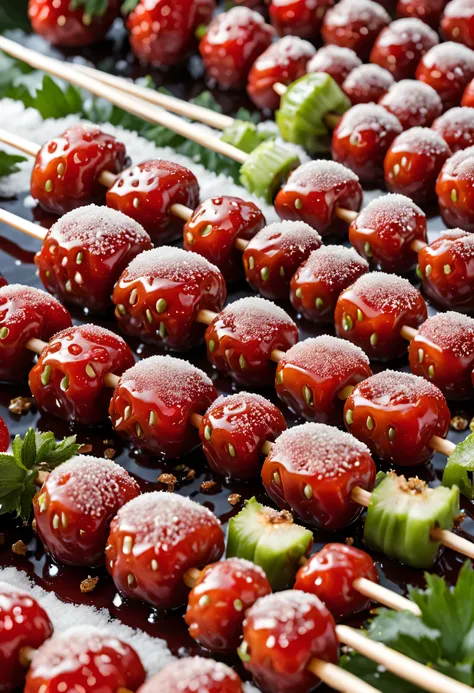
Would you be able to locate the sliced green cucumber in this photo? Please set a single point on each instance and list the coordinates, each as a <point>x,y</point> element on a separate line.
<point>266,168</point>
<point>460,467</point>
<point>242,135</point>
<point>269,539</point>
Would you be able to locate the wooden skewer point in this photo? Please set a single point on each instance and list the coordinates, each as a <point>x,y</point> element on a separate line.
<point>339,679</point>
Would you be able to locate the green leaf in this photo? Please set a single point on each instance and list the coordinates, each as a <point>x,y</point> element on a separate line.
<point>28,449</point>
<point>16,450</point>
<point>92,8</point>
<point>206,100</point>
<point>244,114</point>
<point>371,673</point>
<point>11,475</point>
<point>62,452</point>
<point>14,15</point>
<point>10,502</point>
<point>26,498</point>
<point>52,102</point>
<point>406,633</point>
<point>9,163</point>
<point>128,6</point>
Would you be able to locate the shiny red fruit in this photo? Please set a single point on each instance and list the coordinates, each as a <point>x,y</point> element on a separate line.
<point>193,674</point>
<point>456,127</point>
<point>367,84</point>
<point>448,68</point>
<point>455,190</point>
<point>3,281</point>
<point>413,102</point>
<point>4,436</point>
<point>468,96</point>
<point>355,25</point>
<point>61,25</point>
<point>457,23</point>
<point>429,11</point>
<point>401,46</point>
<point>336,61</point>
<point>301,18</point>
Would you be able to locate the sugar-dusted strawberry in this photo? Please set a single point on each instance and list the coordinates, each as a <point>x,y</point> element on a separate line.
<point>162,32</point>
<point>234,430</point>
<point>336,61</point>
<point>68,379</point>
<point>456,127</point>
<point>468,96</point>
<point>413,102</point>
<point>171,534</point>
<point>85,252</point>
<point>367,84</point>
<point>154,400</point>
<point>301,18</point>
<point>355,25</point>
<point>193,674</point>
<point>428,11</point>
<point>457,23</point>
<point>23,623</point>
<point>67,168</point>
<point>311,471</point>
<point>330,575</point>
<point>84,659</point>
<point>216,225</point>
<point>74,508</point>
<point>64,23</point>
<point>455,190</point>
<point>448,68</point>
<point>26,313</point>
<point>400,47</point>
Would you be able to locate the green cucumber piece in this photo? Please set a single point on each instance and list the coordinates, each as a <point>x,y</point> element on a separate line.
<point>266,168</point>
<point>269,539</point>
<point>303,108</point>
<point>460,466</point>
<point>401,515</point>
<point>242,135</point>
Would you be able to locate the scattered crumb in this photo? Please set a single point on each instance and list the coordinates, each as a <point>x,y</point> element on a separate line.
<point>109,453</point>
<point>84,449</point>
<point>34,525</point>
<point>108,442</point>
<point>459,423</point>
<point>168,480</point>
<point>234,498</point>
<point>349,541</point>
<point>20,548</point>
<point>89,584</point>
<point>209,487</point>
<point>190,474</point>
<point>20,405</point>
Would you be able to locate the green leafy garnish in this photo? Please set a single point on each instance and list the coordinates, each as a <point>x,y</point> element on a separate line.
<point>9,163</point>
<point>92,8</point>
<point>54,102</point>
<point>460,467</point>
<point>14,15</point>
<point>128,6</point>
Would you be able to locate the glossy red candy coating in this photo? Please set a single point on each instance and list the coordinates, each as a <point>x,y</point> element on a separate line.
<point>385,229</point>
<point>75,505</point>
<point>429,11</point>
<point>311,471</point>
<point>67,168</point>
<point>317,283</point>
<point>84,659</point>
<point>367,84</point>
<point>468,96</point>
<point>362,138</point>
<point>233,42</point>
<point>219,600</point>
<point>154,400</point>
<point>215,226</point>
<point>284,61</point>
<point>448,68</point>
<point>455,190</point>
<point>330,575</point>
<point>242,337</point>
<point>443,352</point>
<point>396,414</point>
<point>171,534</point>
<point>61,25</point>
<point>413,163</point>
<point>355,25</point>
<point>371,313</point>
<point>313,192</point>
<point>336,61</point>
<point>313,375</point>
<point>68,379</point>
<point>3,281</point>
<point>162,32</point>
<point>148,191</point>
<point>457,23</point>
<point>413,102</point>
<point>301,18</point>
<point>456,127</point>
<point>26,313</point>
<point>160,293</point>
<point>184,675</point>
<point>400,47</point>
<point>234,430</point>
<point>23,623</point>
<point>4,436</point>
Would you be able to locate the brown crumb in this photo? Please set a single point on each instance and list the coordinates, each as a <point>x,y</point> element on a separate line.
<point>109,453</point>
<point>20,405</point>
<point>89,584</point>
<point>209,487</point>
<point>190,474</point>
<point>459,423</point>
<point>234,498</point>
<point>85,449</point>
<point>168,480</point>
<point>107,441</point>
<point>34,525</point>
<point>20,548</point>
<point>349,541</point>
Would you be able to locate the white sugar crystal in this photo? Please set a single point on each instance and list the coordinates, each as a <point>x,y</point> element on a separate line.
<point>243,411</point>
<point>383,292</point>
<point>253,316</point>
<point>451,331</point>
<point>333,264</point>
<point>384,211</point>
<point>172,380</point>
<point>332,56</point>
<point>292,235</point>
<point>368,76</point>
<point>451,58</point>
<point>395,387</point>
<point>321,174</point>
<point>168,262</point>
<point>327,356</point>
<point>412,96</point>
<point>421,141</point>
<point>369,14</point>
<point>283,51</point>
<point>408,30</point>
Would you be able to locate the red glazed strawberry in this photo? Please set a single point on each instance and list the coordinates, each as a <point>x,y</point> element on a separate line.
<point>68,379</point>
<point>311,471</point>
<point>74,508</point>
<point>355,25</point>
<point>154,400</point>
<point>429,11</point>
<point>219,600</point>
<point>67,168</point>
<point>317,283</point>
<point>162,32</point>
<point>314,192</point>
<point>468,96</point>
<point>4,436</point>
<point>336,61</point>
<point>147,193</point>
<point>3,281</point>
<point>234,430</point>
<point>275,253</point>
<point>241,339</point>
<point>367,84</point>
<point>87,660</point>
<point>62,25</point>
<point>448,68</point>
<point>330,575</point>
<point>413,102</point>
<point>283,62</point>
<point>456,127</point>
<point>233,42</point>
<point>282,634</point>
<point>298,17</point>
<point>154,539</point>
<point>400,47</point>
<point>385,230</point>
<point>396,414</point>
<point>23,623</point>
<point>160,293</point>
<point>85,252</point>
<point>455,190</point>
<point>371,313</point>
<point>214,228</point>
<point>193,674</point>
<point>457,23</point>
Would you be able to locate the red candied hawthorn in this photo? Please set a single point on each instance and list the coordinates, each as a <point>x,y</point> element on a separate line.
<point>147,193</point>
<point>429,11</point>
<point>67,168</point>
<point>241,339</point>
<point>400,47</point>
<point>218,602</point>
<point>74,508</point>
<point>371,313</point>
<point>284,62</point>
<point>86,659</point>
<point>336,61</point>
<point>457,23</point>
<point>23,624</point>
<point>61,24</point>
<point>68,379</point>
<point>26,313</point>
<point>456,127</point>
<point>301,18</point>
<point>468,96</point>
<point>367,84</point>
<point>362,138</point>
<point>214,228</point>
<point>413,102</point>
<point>233,42</point>
<point>160,293</point>
<point>314,377</point>
<point>355,25</point>
<point>448,68</point>
<point>234,430</point>
<point>455,190</point>
<point>330,575</point>
<point>4,436</point>
<point>154,400</point>
<point>311,471</point>
<point>3,281</point>
<point>154,539</point>
<point>193,674</point>
<point>317,283</point>
<point>313,193</point>
<point>396,414</point>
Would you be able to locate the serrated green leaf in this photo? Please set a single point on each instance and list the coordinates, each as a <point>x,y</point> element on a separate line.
<point>128,6</point>
<point>26,499</point>
<point>206,100</point>
<point>373,674</point>
<point>11,475</point>
<point>10,503</point>
<point>406,633</point>
<point>53,102</point>
<point>93,8</point>
<point>244,114</point>
<point>62,452</point>
<point>9,163</point>
<point>16,449</point>
<point>28,449</point>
